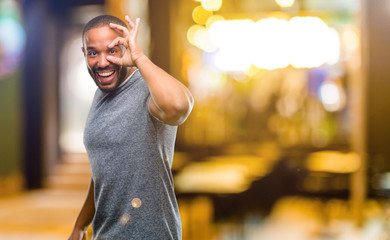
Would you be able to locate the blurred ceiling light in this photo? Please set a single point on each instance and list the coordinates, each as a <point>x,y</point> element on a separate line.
<point>333,161</point>
<point>230,62</point>
<point>303,42</point>
<point>311,42</point>
<point>270,46</point>
<point>200,15</point>
<point>233,38</point>
<point>285,3</point>
<point>334,47</point>
<point>332,96</point>
<point>213,19</point>
<point>212,5</point>
<point>350,40</point>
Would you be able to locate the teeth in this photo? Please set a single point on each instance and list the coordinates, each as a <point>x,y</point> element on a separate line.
<point>106,74</point>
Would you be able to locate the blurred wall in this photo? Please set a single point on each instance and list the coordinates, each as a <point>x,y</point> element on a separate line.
<point>377,65</point>
<point>10,133</point>
<point>45,22</point>
<point>160,23</point>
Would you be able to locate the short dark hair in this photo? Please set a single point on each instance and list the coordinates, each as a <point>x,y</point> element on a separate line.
<point>100,21</point>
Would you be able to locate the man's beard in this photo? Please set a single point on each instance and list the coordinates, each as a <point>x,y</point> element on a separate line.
<point>121,76</point>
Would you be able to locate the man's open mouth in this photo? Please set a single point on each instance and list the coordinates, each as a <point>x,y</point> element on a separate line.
<point>106,76</point>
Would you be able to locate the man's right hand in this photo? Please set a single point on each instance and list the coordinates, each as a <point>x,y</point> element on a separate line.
<point>78,235</point>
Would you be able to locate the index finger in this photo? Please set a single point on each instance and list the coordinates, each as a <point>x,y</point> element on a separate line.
<point>121,28</point>
<point>128,20</point>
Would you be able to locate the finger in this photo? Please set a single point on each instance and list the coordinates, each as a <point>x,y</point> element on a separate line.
<point>114,60</point>
<point>135,30</point>
<point>137,21</point>
<point>122,29</point>
<point>118,41</point>
<point>128,20</point>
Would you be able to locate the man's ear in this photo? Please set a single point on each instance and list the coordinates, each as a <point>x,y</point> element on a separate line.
<point>82,49</point>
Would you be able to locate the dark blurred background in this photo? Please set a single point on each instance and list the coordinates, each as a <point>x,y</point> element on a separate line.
<point>287,139</point>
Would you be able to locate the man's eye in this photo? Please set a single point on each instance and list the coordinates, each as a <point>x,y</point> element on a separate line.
<point>112,51</point>
<point>92,53</point>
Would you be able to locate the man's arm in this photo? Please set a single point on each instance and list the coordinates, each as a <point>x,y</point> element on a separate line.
<point>85,216</point>
<point>171,101</point>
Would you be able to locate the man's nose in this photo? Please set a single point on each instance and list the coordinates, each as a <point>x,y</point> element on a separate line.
<point>103,62</point>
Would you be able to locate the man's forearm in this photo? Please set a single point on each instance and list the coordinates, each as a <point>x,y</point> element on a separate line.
<point>87,211</point>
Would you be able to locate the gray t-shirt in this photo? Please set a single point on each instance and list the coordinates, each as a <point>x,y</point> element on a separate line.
<point>131,154</point>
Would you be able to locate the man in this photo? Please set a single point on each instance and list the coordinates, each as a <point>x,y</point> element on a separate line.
<point>129,137</point>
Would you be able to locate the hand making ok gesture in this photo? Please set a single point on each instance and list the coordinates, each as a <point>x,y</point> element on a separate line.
<point>129,40</point>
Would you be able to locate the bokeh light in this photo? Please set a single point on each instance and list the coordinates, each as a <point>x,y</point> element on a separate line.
<point>212,5</point>
<point>333,161</point>
<point>285,3</point>
<point>312,42</point>
<point>270,46</point>
<point>198,36</point>
<point>200,15</point>
<point>191,32</point>
<point>332,96</point>
<point>213,19</point>
<point>271,43</point>
<point>12,37</point>
<point>234,40</point>
<point>205,82</point>
<point>350,40</point>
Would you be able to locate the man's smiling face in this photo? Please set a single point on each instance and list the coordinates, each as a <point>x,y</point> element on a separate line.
<point>107,76</point>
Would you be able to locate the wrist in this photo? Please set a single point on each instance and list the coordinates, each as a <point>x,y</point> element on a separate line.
<point>140,59</point>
